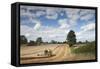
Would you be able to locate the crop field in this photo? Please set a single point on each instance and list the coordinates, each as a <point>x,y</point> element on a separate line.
<point>60,52</point>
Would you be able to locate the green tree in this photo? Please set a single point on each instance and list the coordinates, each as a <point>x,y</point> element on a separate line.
<point>23,39</point>
<point>86,41</point>
<point>53,42</point>
<point>80,42</point>
<point>71,38</point>
<point>31,43</point>
<point>64,42</point>
<point>39,40</point>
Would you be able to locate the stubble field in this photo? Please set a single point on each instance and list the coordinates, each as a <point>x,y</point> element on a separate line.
<point>61,52</point>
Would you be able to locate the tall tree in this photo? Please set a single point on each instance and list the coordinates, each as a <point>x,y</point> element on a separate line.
<point>53,42</point>
<point>86,41</point>
<point>23,39</point>
<point>71,38</point>
<point>39,40</point>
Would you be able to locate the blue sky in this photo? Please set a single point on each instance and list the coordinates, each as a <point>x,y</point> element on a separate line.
<point>52,23</point>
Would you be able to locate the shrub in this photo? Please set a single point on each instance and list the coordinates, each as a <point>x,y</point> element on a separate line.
<point>88,48</point>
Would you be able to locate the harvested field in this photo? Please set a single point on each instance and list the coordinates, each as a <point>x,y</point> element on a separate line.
<point>61,52</point>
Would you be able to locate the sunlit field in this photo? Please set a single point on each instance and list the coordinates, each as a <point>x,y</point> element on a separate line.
<point>60,52</point>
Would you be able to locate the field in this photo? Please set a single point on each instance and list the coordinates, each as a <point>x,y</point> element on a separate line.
<point>61,52</point>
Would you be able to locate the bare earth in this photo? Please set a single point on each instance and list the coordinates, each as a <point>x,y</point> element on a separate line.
<point>62,52</point>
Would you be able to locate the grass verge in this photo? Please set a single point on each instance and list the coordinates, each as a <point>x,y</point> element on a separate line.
<point>87,48</point>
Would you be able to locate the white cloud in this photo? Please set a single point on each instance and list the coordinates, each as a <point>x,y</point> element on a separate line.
<point>56,33</point>
<point>86,11</point>
<point>32,11</point>
<point>88,27</point>
<point>25,29</point>
<point>39,13</point>
<point>63,24</point>
<point>87,17</point>
<point>72,12</point>
<point>51,16</point>
<point>36,22</point>
<point>27,34</point>
<point>87,14</point>
<point>87,32</point>
<point>73,15</point>
<point>62,14</point>
<point>51,13</point>
<point>47,33</point>
<point>83,36</point>
<point>37,26</point>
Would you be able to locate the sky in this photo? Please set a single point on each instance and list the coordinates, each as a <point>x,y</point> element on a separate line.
<point>52,23</point>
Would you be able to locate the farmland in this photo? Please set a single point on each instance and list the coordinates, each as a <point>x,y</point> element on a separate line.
<point>61,52</point>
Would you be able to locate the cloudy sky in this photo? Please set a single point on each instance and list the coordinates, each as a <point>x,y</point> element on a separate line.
<point>52,23</point>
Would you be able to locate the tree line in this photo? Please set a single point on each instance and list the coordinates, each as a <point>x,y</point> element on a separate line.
<point>70,39</point>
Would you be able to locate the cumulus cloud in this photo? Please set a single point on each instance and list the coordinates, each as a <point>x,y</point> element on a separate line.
<point>73,15</point>
<point>47,33</point>
<point>63,24</point>
<point>67,18</point>
<point>51,13</point>
<point>37,26</point>
<point>83,36</point>
<point>37,23</point>
<point>87,14</point>
<point>25,29</point>
<point>86,11</point>
<point>29,32</point>
<point>87,32</point>
<point>31,18</point>
<point>40,13</point>
<point>72,12</point>
<point>88,27</point>
<point>51,16</point>
<point>87,17</point>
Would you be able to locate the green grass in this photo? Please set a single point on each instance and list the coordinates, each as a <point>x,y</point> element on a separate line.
<point>87,48</point>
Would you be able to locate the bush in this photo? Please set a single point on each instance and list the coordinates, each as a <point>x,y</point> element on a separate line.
<point>23,39</point>
<point>31,43</point>
<point>88,48</point>
<point>39,40</point>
